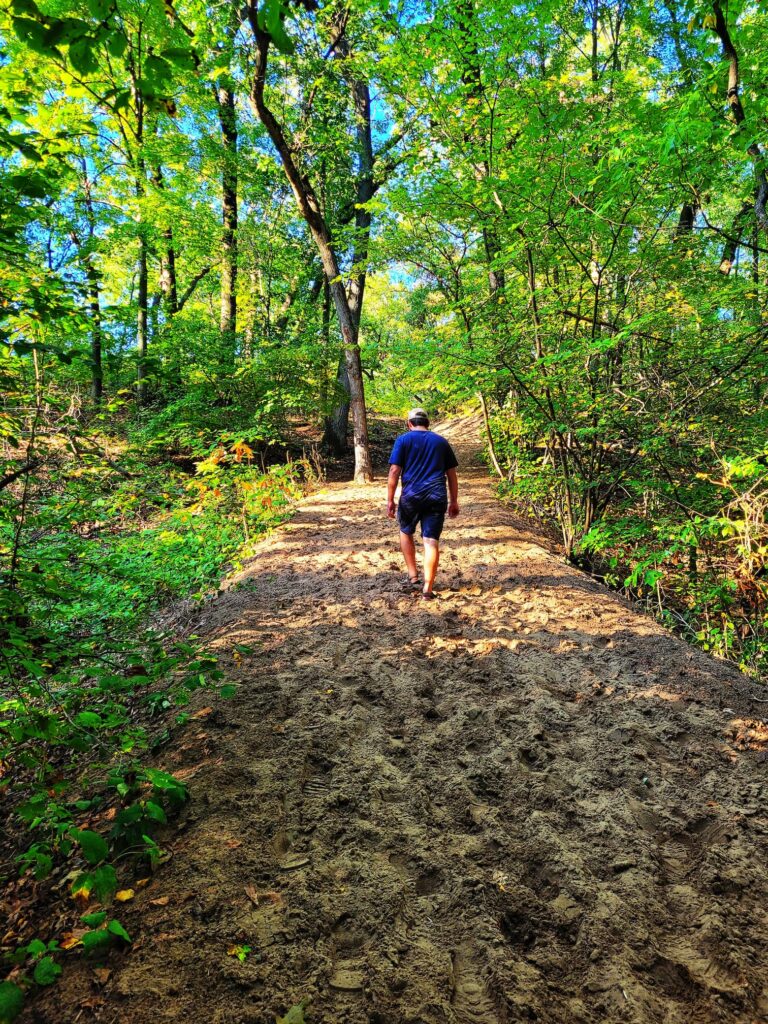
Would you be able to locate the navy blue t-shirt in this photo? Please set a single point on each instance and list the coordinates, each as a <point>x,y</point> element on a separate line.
<point>425,458</point>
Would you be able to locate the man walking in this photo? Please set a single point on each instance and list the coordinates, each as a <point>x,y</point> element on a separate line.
<point>425,460</point>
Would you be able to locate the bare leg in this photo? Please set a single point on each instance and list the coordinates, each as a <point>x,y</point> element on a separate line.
<point>408,548</point>
<point>431,559</point>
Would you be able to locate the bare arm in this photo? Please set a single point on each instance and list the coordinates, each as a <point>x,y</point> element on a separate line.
<point>392,481</point>
<point>453,492</point>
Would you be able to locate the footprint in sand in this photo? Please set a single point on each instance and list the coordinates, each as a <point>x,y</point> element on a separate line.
<point>470,1000</point>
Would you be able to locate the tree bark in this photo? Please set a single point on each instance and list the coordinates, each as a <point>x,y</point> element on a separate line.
<point>142,312</point>
<point>168,283</point>
<point>94,291</point>
<point>142,318</point>
<point>309,208</point>
<point>228,122</point>
<point>686,220</point>
<point>731,247</point>
<point>737,109</point>
<point>337,423</point>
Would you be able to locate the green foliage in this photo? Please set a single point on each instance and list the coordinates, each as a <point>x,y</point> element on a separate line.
<point>46,971</point>
<point>704,576</point>
<point>11,1002</point>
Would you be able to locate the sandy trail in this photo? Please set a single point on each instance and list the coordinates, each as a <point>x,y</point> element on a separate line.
<point>520,802</point>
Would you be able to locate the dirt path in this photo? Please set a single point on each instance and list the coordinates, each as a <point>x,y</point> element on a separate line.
<point>521,802</point>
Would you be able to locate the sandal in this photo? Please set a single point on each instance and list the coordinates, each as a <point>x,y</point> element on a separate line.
<point>412,583</point>
<point>427,595</point>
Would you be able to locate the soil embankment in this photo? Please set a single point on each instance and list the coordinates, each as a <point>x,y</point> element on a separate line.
<point>520,802</point>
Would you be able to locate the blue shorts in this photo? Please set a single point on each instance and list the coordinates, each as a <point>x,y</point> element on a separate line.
<point>431,515</point>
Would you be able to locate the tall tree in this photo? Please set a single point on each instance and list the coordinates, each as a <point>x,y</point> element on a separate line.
<point>311,211</point>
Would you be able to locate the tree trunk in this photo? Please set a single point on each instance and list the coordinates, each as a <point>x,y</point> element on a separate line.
<point>94,291</point>
<point>337,423</point>
<point>142,267</point>
<point>489,435</point>
<point>250,329</point>
<point>168,283</point>
<point>142,320</point>
<point>686,220</point>
<point>739,116</point>
<point>310,210</point>
<point>97,370</point>
<point>733,241</point>
<point>228,122</point>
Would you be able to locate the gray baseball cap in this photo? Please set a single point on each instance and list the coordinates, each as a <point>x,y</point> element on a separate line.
<point>417,414</point>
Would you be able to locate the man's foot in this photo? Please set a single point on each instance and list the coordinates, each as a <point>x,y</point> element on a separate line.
<point>414,582</point>
<point>427,595</point>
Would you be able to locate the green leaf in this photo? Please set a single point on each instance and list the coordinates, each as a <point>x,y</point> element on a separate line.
<point>180,57</point>
<point>25,7</point>
<point>11,1001</point>
<point>96,940</point>
<point>43,865</point>
<point>157,72</point>
<point>104,882</point>
<point>94,847</point>
<point>227,691</point>
<point>274,15</point>
<point>101,9</point>
<point>117,44</point>
<point>82,57</point>
<point>95,919</point>
<point>65,30</point>
<point>33,34</point>
<point>155,811</point>
<point>46,971</point>
<point>117,929</point>
<point>88,720</point>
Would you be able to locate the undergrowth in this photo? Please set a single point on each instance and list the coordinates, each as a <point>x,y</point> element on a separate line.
<point>692,549</point>
<point>91,547</point>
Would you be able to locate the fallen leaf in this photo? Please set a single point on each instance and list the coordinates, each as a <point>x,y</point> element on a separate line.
<point>161,901</point>
<point>69,941</point>
<point>102,974</point>
<point>142,882</point>
<point>234,843</point>
<point>202,713</point>
<point>124,895</point>
<point>251,893</point>
<point>295,1015</point>
<point>291,861</point>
